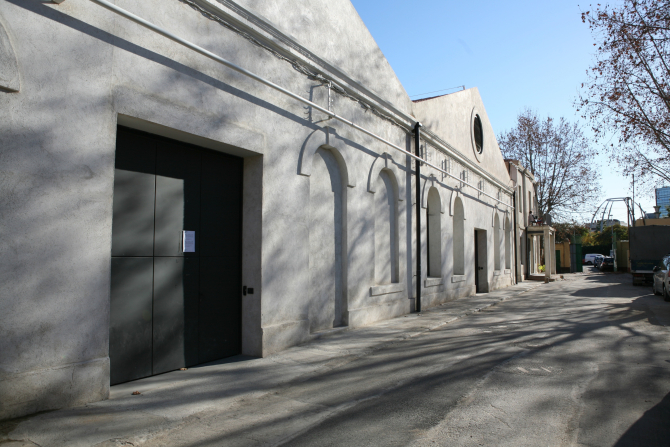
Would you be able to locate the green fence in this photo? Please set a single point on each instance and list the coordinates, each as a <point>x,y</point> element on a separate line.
<point>578,257</point>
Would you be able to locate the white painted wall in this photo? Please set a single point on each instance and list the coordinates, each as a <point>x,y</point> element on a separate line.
<point>321,247</point>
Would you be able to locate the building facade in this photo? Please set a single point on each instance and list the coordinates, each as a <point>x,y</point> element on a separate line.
<point>663,200</point>
<point>164,205</point>
<point>525,205</point>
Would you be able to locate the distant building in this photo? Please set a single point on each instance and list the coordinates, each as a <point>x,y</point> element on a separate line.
<point>650,221</point>
<point>663,199</point>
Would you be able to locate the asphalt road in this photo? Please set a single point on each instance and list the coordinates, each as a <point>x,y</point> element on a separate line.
<point>581,362</point>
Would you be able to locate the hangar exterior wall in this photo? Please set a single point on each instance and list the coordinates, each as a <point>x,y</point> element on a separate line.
<point>451,117</point>
<point>84,70</point>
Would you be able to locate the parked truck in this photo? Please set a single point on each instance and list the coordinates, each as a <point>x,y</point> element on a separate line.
<point>648,246</point>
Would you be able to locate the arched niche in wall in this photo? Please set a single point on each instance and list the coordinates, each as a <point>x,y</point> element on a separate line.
<point>508,243</point>
<point>434,233</point>
<point>324,138</point>
<point>494,213</point>
<point>452,201</point>
<point>458,236</point>
<point>428,184</point>
<point>385,162</point>
<point>386,233</point>
<point>10,79</point>
<point>496,241</point>
<point>328,178</point>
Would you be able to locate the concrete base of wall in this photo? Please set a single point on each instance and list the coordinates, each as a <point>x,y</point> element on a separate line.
<point>284,335</point>
<point>499,282</point>
<point>384,311</point>
<point>465,290</point>
<point>53,388</point>
<point>441,296</point>
<point>433,296</point>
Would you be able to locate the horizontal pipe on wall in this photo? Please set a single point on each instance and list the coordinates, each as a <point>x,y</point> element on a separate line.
<point>237,68</point>
<point>406,121</point>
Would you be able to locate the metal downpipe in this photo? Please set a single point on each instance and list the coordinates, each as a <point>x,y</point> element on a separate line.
<point>417,149</point>
<point>516,240</point>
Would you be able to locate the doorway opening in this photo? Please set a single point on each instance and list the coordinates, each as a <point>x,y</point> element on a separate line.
<point>481,263</point>
<point>176,256</point>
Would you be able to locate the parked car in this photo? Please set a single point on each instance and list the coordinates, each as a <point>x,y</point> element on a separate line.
<point>598,261</point>
<point>589,258</point>
<point>607,264</point>
<point>660,285</point>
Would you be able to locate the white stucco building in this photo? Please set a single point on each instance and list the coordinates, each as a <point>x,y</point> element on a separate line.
<point>161,208</point>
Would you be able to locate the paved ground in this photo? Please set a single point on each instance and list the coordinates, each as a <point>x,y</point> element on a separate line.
<point>583,362</point>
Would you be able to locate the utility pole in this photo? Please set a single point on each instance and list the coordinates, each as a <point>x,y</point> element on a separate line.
<point>633,199</point>
<point>614,249</point>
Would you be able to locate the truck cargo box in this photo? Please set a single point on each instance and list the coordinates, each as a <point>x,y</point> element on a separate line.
<point>648,246</point>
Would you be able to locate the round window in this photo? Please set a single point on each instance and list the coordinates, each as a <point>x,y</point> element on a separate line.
<point>479,136</point>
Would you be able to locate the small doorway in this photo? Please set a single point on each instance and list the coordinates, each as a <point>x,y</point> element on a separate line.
<point>176,256</point>
<point>481,269</point>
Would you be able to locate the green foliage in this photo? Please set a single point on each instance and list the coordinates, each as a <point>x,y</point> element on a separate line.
<point>589,238</point>
<point>564,231</point>
<point>605,237</point>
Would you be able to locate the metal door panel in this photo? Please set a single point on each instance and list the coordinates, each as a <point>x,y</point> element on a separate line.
<point>134,196</point>
<point>130,319</point>
<point>219,309</point>
<point>169,216</point>
<point>221,210</point>
<point>135,152</point>
<point>177,197</point>
<point>191,284</point>
<point>482,275</point>
<point>476,263</point>
<point>175,292</point>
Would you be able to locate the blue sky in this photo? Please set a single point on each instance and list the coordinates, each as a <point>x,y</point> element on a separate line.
<point>519,54</point>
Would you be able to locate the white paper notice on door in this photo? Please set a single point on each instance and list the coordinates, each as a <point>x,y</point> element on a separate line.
<point>188,241</point>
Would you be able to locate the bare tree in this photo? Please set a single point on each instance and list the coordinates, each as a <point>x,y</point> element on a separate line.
<point>559,156</point>
<point>626,94</point>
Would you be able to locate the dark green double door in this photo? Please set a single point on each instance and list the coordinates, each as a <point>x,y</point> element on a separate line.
<point>172,304</point>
